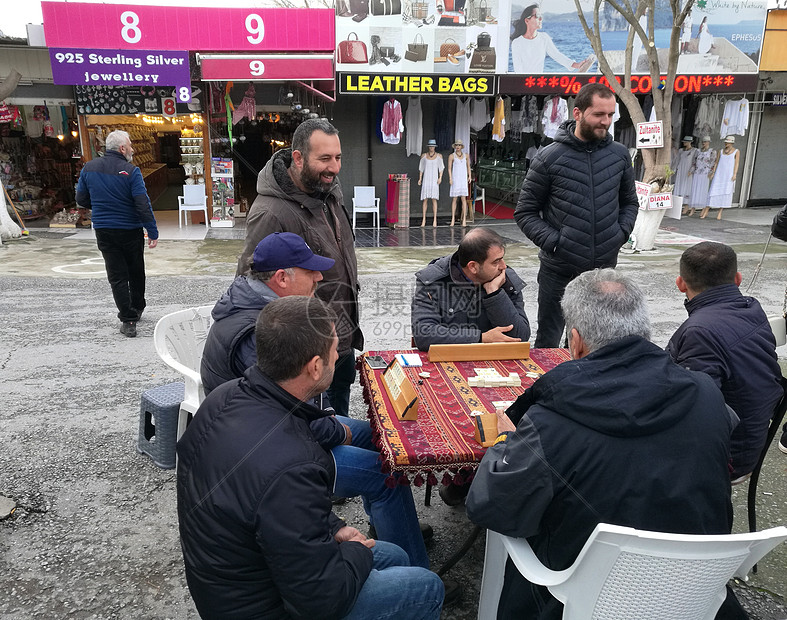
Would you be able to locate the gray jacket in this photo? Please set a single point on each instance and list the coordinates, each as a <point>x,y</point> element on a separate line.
<point>449,309</point>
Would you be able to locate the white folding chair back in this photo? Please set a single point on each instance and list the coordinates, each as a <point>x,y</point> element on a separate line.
<point>193,199</point>
<point>364,201</point>
<point>480,194</point>
<point>179,339</point>
<point>626,573</point>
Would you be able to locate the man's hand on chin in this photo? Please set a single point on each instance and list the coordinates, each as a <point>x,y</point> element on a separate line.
<point>495,283</point>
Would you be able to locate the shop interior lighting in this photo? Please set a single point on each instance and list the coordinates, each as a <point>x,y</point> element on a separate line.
<point>60,137</point>
<point>74,133</point>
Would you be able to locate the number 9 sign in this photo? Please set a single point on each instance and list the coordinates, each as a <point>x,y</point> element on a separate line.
<point>256,67</point>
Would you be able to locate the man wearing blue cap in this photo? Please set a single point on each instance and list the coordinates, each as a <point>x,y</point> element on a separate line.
<point>282,265</point>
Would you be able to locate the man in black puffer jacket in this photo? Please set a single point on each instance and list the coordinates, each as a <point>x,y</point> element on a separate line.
<point>578,204</point>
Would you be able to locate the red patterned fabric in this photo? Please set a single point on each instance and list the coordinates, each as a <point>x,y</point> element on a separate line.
<point>442,439</point>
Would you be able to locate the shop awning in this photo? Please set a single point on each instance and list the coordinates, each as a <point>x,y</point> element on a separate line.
<point>266,67</point>
<point>31,62</point>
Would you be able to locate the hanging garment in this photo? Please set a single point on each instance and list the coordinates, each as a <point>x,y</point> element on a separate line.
<point>414,126</point>
<point>530,114</point>
<point>462,123</point>
<point>515,130</point>
<point>431,169</point>
<point>444,114</point>
<point>722,186</point>
<point>555,112</point>
<point>683,163</point>
<point>459,176</point>
<point>391,124</point>
<point>507,104</point>
<point>615,118</point>
<point>700,181</point>
<point>499,123</point>
<point>735,119</point>
<point>708,116</point>
<point>247,108</point>
<point>479,113</point>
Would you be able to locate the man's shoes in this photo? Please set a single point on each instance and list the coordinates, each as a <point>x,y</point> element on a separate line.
<point>782,445</point>
<point>426,531</point>
<point>454,494</point>
<point>743,478</point>
<point>129,329</point>
<point>453,592</point>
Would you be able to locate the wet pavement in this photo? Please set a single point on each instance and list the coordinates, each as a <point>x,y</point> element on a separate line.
<point>94,534</point>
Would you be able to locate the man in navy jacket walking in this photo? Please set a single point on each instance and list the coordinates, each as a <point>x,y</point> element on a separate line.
<point>113,188</point>
<point>728,337</point>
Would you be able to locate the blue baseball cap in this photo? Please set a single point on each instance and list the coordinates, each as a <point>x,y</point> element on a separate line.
<point>282,250</point>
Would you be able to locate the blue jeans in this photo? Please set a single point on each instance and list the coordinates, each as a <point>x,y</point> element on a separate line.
<point>390,510</point>
<point>394,589</point>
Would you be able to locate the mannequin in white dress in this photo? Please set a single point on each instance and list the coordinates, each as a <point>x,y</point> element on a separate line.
<point>459,180</point>
<point>430,176</point>
<point>722,184</point>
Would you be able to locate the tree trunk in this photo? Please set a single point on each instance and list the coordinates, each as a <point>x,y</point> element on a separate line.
<point>8,227</point>
<point>10,83</point>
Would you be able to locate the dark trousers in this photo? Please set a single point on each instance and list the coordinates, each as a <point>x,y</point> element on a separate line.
<point>124,260</point>
<point>551,286</point>
<point>343,378</point>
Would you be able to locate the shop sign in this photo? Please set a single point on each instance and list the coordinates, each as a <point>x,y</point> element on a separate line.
<point>376,83</point>
<point>779,99</point>
<point>126,26</point>
<point>643,192</point>
<point>650,135</point>
<point>657,202</point>
<point>76,66</point>
<point>267,67</point>
<point>640,84</point>
<point>132,100</point>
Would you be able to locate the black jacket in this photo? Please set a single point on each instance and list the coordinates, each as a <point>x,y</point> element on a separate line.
<point>254,508</point>
<point>727,336</point>
<point>592,446</point>
<point>779,226</point>
<point>449,309</point>
<point>578,202</point>
<point>323,223</point>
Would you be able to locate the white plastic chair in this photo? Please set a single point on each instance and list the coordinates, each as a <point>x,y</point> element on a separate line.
<point>179,339</point>
<point>193,199</point>
<point>626,573</point>
<point>364,201</point>
<point>480,194</point>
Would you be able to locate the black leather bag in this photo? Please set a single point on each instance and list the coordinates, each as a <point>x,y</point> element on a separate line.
<point>359,7</point>
<point>386,51</point>
<point>385,7</point>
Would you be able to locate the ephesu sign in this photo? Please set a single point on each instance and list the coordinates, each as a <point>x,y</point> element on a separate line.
<point>382,84</point>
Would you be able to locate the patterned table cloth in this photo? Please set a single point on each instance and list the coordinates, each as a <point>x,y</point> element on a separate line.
<point>442,439</point>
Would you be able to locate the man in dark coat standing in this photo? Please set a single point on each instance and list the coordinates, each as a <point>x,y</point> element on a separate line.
<point>578,204</point>
<point>728,337</point>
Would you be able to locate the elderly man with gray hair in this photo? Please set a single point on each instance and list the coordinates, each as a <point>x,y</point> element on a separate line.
<point>619,434</point>
<point>114,189</point>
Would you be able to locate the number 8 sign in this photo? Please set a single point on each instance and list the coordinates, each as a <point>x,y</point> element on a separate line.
<point>168,108</point>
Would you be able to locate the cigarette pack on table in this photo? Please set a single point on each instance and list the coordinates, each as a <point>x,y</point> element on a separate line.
<point>485,428</point>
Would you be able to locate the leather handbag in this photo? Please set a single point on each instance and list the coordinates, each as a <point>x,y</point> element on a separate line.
<point>483,11</point>
<point>483,61</point>
<point>449,49</point>
<point>352,51</point>
<point>359,7</point>
<point>420,10</point>
<point>484,40</point>
<point>385,7</point>
<point>386,51</point>
<point>418,49</point>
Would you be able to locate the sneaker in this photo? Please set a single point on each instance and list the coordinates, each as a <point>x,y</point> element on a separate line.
<point>129,329</point>
<point>782,445</point>
<point>454,494</point>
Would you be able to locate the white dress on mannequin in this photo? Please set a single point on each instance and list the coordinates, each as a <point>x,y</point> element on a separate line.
<point>722,186</point>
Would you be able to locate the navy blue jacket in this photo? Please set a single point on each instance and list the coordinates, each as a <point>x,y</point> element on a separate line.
<point>449,309</point>
<point>115,191</point>
<point>727,336</point>
<point>254,509</point>
<point>592,446</point>
<point>231,348</point>
<point>578,202</point>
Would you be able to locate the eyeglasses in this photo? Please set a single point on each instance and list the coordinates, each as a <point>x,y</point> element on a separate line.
<point>538,17</point>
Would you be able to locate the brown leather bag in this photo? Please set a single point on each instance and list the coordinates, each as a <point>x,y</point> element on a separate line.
<point>449,49</point>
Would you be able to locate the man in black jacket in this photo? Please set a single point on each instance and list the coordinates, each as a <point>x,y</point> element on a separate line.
<point>578,204</point>
<point>728,337</point>
<point>618,435</point>
<point>258,535</point>
<point>469,296</point>
<point>779,230</point>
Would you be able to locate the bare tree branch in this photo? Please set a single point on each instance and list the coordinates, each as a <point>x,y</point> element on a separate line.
<point>10,83</point>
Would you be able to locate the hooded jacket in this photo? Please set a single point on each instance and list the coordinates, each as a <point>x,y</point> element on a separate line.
<point>449,309</point>
<point>231,348</point>
<point>578,202</point>
<point>254,509</point>
<point>593,446</point>
<point>727,336</point>
<point>324,224</point>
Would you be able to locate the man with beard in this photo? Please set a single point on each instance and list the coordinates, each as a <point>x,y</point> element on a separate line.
<point>298,192</point>
<point>114,189</point>
<point>578,204</point>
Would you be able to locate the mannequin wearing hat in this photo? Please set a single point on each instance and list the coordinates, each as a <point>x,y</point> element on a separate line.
<point>431,175</point>
<point>683,160</point>
<point>459,180</point>
<point>723,177</point>
<point>700,173</point>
